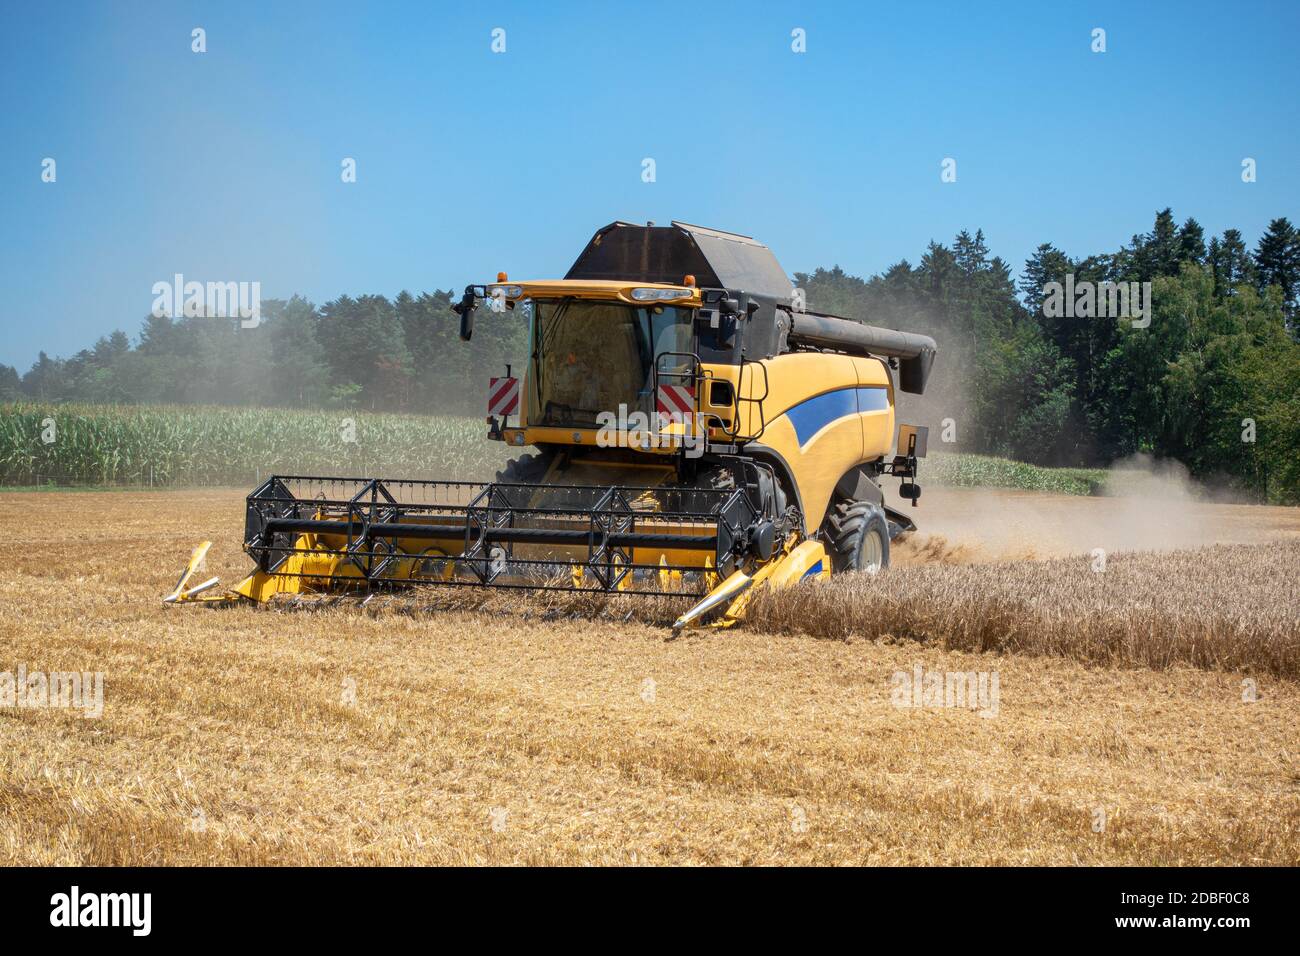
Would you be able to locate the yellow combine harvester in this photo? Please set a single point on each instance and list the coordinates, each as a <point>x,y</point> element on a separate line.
<point>697,433</point>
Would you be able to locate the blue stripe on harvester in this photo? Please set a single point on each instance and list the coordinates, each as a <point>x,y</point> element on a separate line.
<point>872,399</point>
<point>811,416</point>
<point>815,569</point>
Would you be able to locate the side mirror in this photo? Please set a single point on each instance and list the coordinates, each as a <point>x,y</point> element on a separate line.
<point>465,309</point>
<point>719,318</point>
<point>727,331</point>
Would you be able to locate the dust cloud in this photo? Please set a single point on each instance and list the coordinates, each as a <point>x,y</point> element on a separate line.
<point>1146,506</point>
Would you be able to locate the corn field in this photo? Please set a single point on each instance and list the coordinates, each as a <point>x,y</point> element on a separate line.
<point>184,445</point>
<point>48,444</point>
<point>985,471</point>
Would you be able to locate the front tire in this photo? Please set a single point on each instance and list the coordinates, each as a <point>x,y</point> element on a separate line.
<point>857,537</point>
<point>527,469</point>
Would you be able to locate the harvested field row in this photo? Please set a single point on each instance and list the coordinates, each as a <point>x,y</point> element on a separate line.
<point>510,733</point>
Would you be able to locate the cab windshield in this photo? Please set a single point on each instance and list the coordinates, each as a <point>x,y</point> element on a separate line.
<point>590,357</point>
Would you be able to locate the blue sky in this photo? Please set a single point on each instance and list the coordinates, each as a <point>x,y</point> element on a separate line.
<point>225,166</point>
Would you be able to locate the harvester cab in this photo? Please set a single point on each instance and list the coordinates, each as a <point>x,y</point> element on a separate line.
<point>696,431</point>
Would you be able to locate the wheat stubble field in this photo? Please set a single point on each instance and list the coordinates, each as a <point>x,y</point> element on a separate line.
<point>495,731</point>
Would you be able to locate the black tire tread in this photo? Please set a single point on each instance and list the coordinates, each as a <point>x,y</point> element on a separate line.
<point>846,523</point>
<point>527,469</point>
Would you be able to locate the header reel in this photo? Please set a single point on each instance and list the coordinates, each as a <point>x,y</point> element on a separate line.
<point>311,535</point>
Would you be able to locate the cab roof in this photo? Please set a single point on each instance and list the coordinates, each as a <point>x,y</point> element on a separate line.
<point>624,253</point>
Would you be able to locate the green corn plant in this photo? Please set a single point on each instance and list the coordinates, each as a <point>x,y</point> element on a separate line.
<point>172,445</point>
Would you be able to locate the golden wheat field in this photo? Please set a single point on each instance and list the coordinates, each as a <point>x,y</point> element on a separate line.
<point>1146,714</point>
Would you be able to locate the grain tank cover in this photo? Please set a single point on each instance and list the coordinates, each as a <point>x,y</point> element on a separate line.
<point>718,260</point>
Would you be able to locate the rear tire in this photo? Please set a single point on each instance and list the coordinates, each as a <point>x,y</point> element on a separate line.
<point>857,537</point>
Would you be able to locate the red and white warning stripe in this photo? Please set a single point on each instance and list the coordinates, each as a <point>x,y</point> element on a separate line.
<point>675,403</point>
<point>503,396</point>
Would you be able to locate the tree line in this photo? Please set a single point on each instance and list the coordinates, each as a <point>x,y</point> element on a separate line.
<point>1211,376</point>
<point>368,352</point>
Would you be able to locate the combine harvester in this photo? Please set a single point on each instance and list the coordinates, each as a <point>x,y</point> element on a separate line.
<point>697,433</point>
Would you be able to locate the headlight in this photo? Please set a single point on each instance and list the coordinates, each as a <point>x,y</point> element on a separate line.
<point>660,295</point>
<point>509,291</point>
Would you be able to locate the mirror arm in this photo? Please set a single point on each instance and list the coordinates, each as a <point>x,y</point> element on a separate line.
<point>465,308</point>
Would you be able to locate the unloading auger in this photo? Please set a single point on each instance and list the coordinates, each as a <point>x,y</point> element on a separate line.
<point>696,433</point>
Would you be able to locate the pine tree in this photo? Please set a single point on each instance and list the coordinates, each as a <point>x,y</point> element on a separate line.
<point>1191,242</point>
<point>1156,253</point>
<point>1047,264</point>
<point>1277,261</point>
<point>10,384</point>
<point>1230,263</point>
<point>301,375</point>
<point>46,380</point>
<point>971,254</point>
